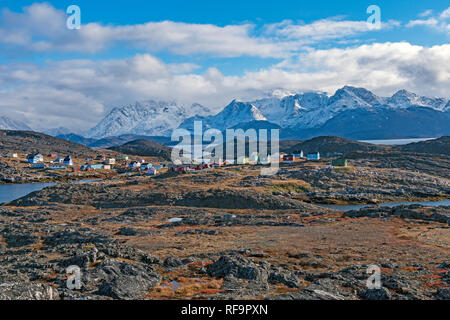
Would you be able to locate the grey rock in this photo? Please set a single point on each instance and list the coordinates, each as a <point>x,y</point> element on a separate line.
<point>172,262</point>
<point>238,267</point>
<point>27,291</point>
<point>374,294</point>
<point>122,280</point>
<point>443,294</point>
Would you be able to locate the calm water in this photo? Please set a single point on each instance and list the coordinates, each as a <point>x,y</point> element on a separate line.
<point>393,142</point>
<point>346,207</point>
<point>10,192</point>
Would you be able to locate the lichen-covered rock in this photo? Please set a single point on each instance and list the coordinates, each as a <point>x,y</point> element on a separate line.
<point>240,268</point>
<point>375,294</point>
<point>123,280</point>
<point>27,291</point>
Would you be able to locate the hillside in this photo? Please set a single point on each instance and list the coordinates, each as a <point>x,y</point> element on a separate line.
<point>77,138</point>
<point>142,147</point>
<point>29,141</point>
<point>331,144</point>
<point>436,146</point>
<point>122,139</point>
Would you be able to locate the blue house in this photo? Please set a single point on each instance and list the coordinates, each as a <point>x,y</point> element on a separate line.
<point>146,166</point>
<point>35,158</point>
<point>133,164</point>
<point>313,156</point>
<point>68,161</point>
<point>299,155</point>
<point>38,166</point>
<point>90,167</point>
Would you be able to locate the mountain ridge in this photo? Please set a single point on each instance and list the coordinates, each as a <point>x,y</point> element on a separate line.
<point>299,115</point>
<point>151,118</point>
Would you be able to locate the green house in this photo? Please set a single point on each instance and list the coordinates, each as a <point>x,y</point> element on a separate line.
<point>339,163</point>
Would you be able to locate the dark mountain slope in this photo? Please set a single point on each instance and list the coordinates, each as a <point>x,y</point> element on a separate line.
<point>29,141</point>
<point>436,146</point>
<point>143,147</point>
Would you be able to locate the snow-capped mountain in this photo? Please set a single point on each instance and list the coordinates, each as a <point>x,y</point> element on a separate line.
<point>346,98</point>
<point>405,99</point>
<point>152,118</point>
<point>310,112</point>
<point>286,111</point>
<point>234,113</point>
<point>303,113</point>
<point>10,124</point>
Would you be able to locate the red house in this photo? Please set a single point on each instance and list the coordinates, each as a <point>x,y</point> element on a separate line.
<point>288,158</point>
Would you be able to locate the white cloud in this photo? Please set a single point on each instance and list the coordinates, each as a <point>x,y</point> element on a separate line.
<point>439,22</point>
<point>423,22</point>
<point>42,28</point>
<point>426,13</point>
<point>333,28</point>
<point>77,93</point>
<point>445,14</point>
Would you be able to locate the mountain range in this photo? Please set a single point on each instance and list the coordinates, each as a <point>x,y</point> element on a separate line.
<point>351,112</point>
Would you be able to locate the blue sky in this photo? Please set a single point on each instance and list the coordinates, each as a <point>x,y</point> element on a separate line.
<point>211,52</point>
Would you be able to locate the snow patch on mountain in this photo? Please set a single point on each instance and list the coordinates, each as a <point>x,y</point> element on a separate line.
<point>152,118</point>
<point>235,113</point>
<point>10,124</point>
<point>404,99</point>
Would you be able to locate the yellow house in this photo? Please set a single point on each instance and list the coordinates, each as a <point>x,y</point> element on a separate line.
<point>243,160</point>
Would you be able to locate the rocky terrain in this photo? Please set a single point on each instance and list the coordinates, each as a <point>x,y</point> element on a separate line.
<point>230,234</point>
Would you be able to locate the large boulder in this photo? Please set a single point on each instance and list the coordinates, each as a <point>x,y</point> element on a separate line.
<point>123,280</point>
<point>240,268</point>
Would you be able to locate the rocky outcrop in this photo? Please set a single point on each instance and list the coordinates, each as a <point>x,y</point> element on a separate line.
<point>246,277</point>
<point>122,280</point>
<point>417,212</point>
<point>27,291</point>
